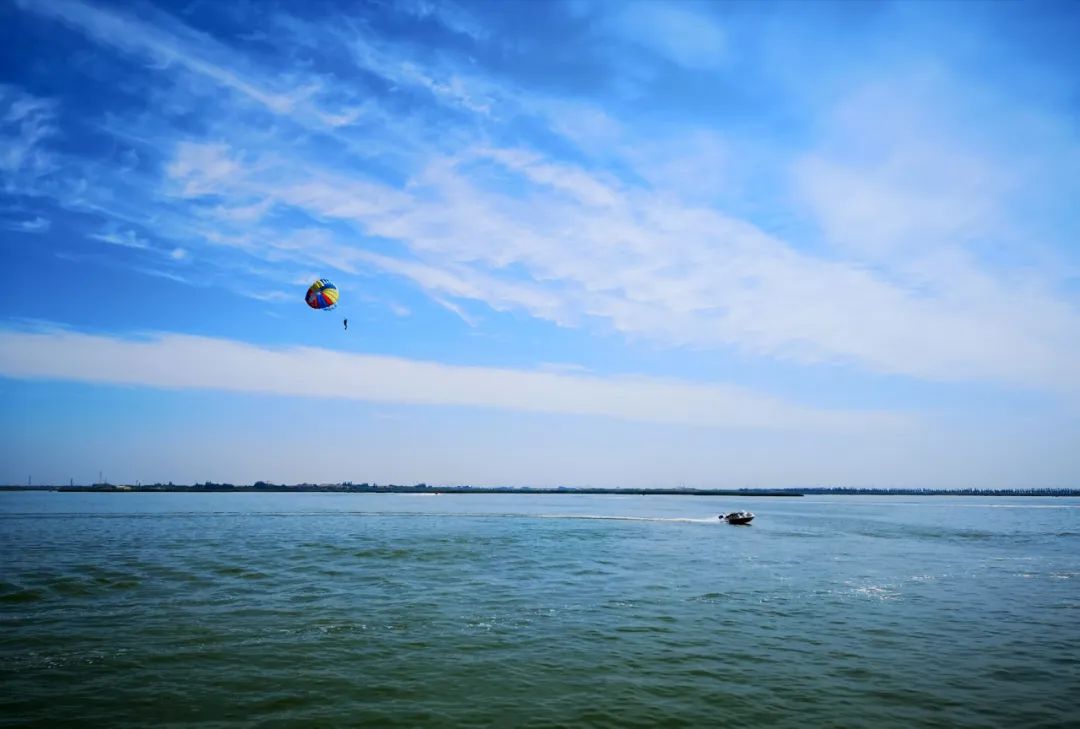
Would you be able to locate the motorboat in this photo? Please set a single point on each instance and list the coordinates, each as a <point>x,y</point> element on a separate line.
<point>737,517</point>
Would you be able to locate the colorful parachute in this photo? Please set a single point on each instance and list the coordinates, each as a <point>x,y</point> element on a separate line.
<point>322,295</point>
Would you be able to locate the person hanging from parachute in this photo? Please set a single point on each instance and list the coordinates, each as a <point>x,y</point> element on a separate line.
<point>346,323</point>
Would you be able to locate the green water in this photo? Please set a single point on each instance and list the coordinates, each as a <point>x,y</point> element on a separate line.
<point>277,610</point>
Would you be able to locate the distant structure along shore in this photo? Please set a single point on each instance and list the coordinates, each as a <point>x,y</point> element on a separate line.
<point>350,487</point>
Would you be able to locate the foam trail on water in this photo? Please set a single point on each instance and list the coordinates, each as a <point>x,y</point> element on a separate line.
<point>603,517</point>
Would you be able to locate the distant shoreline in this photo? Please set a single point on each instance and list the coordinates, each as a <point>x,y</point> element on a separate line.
<point>262,487</point>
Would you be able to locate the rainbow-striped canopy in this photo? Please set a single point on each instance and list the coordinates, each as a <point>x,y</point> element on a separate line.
<point>322,295</point>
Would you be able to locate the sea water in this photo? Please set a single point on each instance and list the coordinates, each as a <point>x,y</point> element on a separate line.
<point>318,609</point>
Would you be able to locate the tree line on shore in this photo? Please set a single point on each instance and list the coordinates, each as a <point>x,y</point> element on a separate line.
<point>350,487</point>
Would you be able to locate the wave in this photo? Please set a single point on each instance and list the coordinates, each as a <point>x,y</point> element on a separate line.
<point>324,514</point>
<point>871,501</point>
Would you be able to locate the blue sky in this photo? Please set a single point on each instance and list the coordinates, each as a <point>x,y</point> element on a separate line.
<point>578,243</point>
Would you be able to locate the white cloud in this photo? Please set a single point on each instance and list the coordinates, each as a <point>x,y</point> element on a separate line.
<point>567,247</point>
<point>26,121</point>
<point>343,118</point>
<point>447,84</point>
<point>449,87</point>
<point>573,181</point>
<point>125,239</point>
<point>130,34</point>
<point>269,296</point>
<point>165,274</point>
<point>238,214</point>
<point>36,224</point>
<point>564,367</point>
<point>170,43</point>
<point>203,168</point>
<point>448,14</point>
<point>179,361</point>
<point>676,31</point>
<point>891,179</point>
<point>460,312</point>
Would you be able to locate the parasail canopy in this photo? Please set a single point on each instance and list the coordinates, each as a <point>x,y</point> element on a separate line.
<point>322,295</point>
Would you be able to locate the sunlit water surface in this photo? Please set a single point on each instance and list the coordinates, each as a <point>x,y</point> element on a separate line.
<point>550,610</point>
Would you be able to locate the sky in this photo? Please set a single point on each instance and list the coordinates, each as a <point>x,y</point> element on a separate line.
<point>578,243</point>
